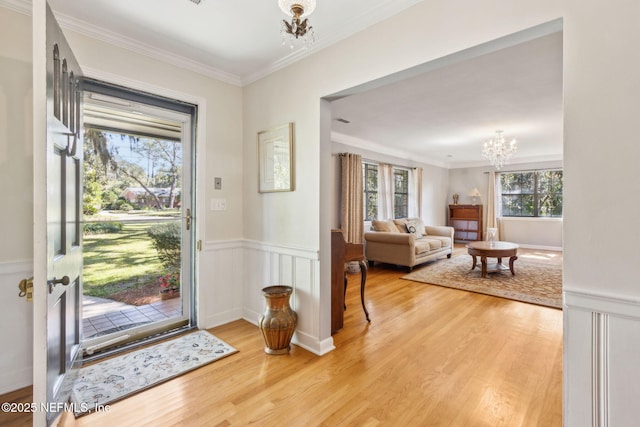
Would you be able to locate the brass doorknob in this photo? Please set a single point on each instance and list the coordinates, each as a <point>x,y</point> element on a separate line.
<point>64,281</point>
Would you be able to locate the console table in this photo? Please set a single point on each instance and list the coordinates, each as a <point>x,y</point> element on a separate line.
<point>341,253</point>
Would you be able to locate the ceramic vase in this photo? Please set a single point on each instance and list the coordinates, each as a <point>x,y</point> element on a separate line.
<point>279,321</point>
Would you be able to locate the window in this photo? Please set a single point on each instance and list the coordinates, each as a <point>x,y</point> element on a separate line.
<point>532,194</point>
<point>370,191</point>
<point>371,196</point>
<point>400,193</point>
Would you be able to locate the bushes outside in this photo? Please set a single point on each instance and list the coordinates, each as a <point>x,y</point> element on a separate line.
<point>166,240</point>
<point>102,227</point>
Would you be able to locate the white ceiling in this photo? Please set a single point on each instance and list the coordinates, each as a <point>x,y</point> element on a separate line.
<point>443,116</point>
<point>440,117</point>
<point>237,41</point>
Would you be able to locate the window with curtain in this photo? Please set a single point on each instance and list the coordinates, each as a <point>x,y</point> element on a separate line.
<point>532,193</point>
<point>370,172</point>
<point>400,193</point>
<point>371,191</point>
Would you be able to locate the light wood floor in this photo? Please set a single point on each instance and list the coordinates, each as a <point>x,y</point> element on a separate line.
<point>431,356</point>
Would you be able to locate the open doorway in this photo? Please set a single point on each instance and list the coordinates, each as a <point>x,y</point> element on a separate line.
<point>137,216</point>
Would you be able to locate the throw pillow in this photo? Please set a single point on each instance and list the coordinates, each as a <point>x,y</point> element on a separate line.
<point>384,226</point>
<point>419,225</point>
<point>412,228</point>
<point>401,224</point>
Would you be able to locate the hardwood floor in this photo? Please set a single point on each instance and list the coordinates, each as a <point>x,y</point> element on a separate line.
<point>432,356</point>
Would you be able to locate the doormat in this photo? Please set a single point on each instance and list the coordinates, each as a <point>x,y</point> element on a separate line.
<point>534,283</point>
<point>116,378</point>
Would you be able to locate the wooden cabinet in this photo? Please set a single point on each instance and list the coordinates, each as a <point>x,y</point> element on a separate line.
<point>466,221</point>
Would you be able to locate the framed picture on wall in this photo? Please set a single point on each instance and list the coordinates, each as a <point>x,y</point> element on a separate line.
<point>275,159</point>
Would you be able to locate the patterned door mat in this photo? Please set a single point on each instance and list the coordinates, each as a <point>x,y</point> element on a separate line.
<point>116,378</point>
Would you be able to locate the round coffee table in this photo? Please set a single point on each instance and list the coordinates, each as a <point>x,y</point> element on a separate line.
<point>497,250</point>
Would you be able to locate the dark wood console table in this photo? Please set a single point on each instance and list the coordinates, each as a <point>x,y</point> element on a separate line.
<point>341,253</point>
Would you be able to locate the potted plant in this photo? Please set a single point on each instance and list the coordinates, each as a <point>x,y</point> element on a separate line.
<point>169,285</point>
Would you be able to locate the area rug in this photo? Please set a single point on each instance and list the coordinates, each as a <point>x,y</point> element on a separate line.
<point>534,282</point>
<point>113,379</point>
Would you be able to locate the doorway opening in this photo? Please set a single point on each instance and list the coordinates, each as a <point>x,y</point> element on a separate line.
<point>137,216</point>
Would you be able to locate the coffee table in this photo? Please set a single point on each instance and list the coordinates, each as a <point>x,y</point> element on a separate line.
<point>497,250</point>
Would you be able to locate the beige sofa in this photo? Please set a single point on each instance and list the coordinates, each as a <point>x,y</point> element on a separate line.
<point>407,242</point>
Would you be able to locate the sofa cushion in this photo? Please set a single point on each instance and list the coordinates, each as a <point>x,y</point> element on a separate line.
<point>386,225</point>
<point>445,241</point>
<point>401,225</point>
<point>421,246</point>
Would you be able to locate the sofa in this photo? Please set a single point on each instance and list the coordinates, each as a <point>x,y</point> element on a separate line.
<point>407,242</point>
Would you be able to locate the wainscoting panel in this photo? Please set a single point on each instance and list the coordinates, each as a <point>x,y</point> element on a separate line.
<point>219,294</point>
<point>16,365</point>
<point>601,369</point>
<point>268,265</point>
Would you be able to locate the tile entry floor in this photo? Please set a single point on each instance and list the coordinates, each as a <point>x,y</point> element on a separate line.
<point>101,316</point>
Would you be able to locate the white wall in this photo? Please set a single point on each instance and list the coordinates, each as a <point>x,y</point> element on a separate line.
<point>219,154</point>
<point>601,98</point>
<point>601,102</point>
<point>540,233</point>
<point>16,235</point>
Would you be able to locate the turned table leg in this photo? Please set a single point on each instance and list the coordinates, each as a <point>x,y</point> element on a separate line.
<point>512,260</point>
<point>363,282</point>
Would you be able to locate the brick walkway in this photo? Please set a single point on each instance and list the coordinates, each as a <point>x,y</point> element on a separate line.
<point>102,316</point>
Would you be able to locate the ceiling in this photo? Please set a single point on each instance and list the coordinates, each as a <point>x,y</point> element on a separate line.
<point>441,116</point>
<point>237,41</point>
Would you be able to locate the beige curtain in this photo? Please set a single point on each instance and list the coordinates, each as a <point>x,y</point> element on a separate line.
<point>494,205</point>
<point>415,193</point>
<point>385,191</point>
<point>352,202</point>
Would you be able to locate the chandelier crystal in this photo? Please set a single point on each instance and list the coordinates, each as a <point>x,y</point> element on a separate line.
<point>299,30</point>
<point>497,151</point>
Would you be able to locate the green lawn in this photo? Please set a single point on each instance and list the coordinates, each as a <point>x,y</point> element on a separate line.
<point>114,262</point>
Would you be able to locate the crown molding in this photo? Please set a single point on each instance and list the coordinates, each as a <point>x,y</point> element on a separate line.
<point>20,6</point>
<point>107,36</point>
<point>375,147</point>
<point>333,35</point>
<point>133,45</point>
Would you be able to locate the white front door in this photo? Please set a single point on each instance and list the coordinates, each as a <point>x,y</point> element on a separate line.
<point>57,164</point>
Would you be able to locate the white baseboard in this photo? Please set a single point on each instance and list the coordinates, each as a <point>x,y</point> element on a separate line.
<point>312,344</point>
<point>218,319</point>
<point>15,379</point>
<point>542,248</point>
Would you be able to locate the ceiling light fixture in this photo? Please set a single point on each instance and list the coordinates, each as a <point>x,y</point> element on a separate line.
<point>497,151</point>
<point>299,30</point>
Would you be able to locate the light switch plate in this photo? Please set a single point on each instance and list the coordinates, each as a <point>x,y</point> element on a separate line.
<point>218,204</point>
<point>217,183</point>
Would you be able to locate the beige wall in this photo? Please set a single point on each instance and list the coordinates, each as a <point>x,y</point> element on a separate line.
<point>219,152</point>
<point>16,192</point>
<point>601,103</point>
<point>601,99</point>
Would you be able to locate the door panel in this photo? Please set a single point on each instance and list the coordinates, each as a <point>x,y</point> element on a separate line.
<point>57,237</point>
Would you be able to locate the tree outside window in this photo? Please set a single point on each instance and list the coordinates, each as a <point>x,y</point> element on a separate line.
<point>370,172</point>
<point>400,188</point>
<point>400,193</point>
<point>532,194</point>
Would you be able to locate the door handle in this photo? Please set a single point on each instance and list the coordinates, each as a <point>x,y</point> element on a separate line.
<point>26,289</point>
<point>188,219</point>
<point>64,281</point>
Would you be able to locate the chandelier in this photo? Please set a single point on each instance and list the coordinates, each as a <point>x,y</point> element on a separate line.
<point>297,30</point>
<point>497,151</point>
